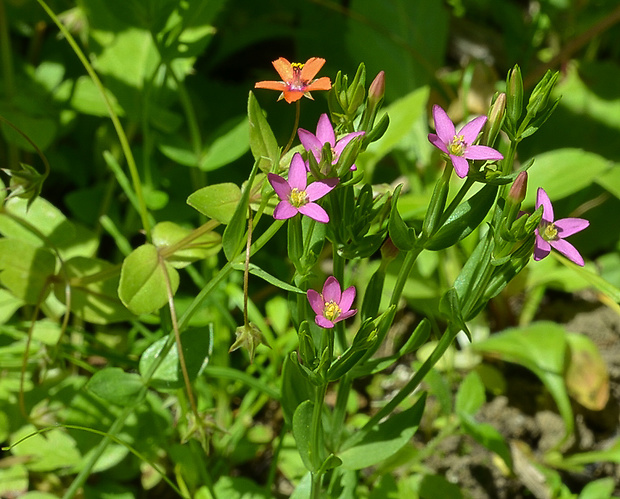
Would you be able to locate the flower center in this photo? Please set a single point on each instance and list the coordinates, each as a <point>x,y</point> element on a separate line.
<point>297,198</point>
<point>296,83</point>
<point>457,145</point>
<point>550,233</point>
<point>331,311</point>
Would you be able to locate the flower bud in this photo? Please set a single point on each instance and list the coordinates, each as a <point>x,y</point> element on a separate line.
<point>518,189</point>
<point>388,250</point>
<point>248,337</point>
<point>495,121</point>
<point>377,89</point>
<point>514,97</point>
<point>540,95</point>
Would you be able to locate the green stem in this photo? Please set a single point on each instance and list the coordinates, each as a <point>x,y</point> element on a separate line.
<point>295,125</point>
<point>122,137</point>
<point>338,267</point>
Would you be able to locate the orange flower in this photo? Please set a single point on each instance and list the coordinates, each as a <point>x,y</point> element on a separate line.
<point>297,79</point>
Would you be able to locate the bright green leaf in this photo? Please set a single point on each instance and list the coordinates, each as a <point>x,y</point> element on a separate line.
<point>216,201</point>
<point>114,385</point>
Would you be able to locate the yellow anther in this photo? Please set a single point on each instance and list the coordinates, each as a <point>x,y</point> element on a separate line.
<point>331,311</point>
<point>297,198</point>
<point>457,145</point>
<point>550,233</point>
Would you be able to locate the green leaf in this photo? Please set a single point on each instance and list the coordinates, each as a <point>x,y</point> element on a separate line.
<point>266,276</point>
<point>436,486</point>
<point>238,488</point>
<point>384,439</point>
<point>450,307</point>
<point>402,235</point>
<point>114,385</point>
<point>235,230</point>
<point>602,488</point>
<point>587,378</point>
<point>142,287</point>
<point>93,300</point>
<point>263,143</point>
<point>486,435</point>
<point>216,201</point>
<point>541,348</point>
<point>227,147</point>
<point>302,431</point>
<point>295,387</point>
<point>563,172</point>
<point>167,234</point>
<point>48,451</point>
<point>25,270</point>
<point>197,344</point>
<point>464,219</point>
<point>470,396</point>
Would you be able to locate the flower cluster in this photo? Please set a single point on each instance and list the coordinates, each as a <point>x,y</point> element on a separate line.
<point>332,305</point>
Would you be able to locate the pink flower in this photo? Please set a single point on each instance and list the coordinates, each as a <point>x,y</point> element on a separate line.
<point>297,79</point>
<point>332,305</point>
<point>325,135</point>
<point>550,233</point>
<point>297,196</point>
<point>459,145</point>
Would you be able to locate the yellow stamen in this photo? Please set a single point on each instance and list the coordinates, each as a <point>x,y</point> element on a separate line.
<point>331,311</point>
<point>457,145</point>
<point>550,233</point>
<point>297,65</point>
<point>298,198</point>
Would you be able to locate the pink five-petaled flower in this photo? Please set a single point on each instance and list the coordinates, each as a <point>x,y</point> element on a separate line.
<point>325,135</point>
<point>297,79</point>
<point>550,233</point>
<point>332,305</point>
<point>297,196</point>
<point>459,145</point>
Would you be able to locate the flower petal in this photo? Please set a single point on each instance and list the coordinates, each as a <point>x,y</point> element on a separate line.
<point>280,185</point>
<point>271,85</point>
<point>318,189</point>
<point>569,226</point>
<point>284,210</point>
<point>461,166</point>
<point>292,95</point>
<point>346,315</point>
<point>472,129</point>
<point>568,250</point>
<point>342,143</point>
<point>437,142</point>
<point>316,301</point>
<point>325,131</point>
<point>311,67</point>
<point>443,125</point>
<point>331,290</point>
<point>310,142</point>
<point>323,322</point>
<point>541,248</point>
<point>543,199</point>
<point>315,212</point>
<point>297,174</point>
<point>284,69</point>
<point>348,295</point>
<point>323,83</point>
<point>482,152</point>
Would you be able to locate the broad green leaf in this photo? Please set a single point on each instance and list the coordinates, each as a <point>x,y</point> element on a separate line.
<point>166,234</point>
<point>470,396</point>
<point>94,290</point>
<point>49,451</point>
<point>541,348</point>
<point>114,385</point>
<point>8,305</point>
<point>86,98</point>
<point>587,378</point>
<point>13,481</point>
<point>486,435</point>
<point>197,344</point>
<point>402,235</point>
<point>239,488</point>
<point>436,486</point>
<point>40,129</point>
<point>295,388</point>
<point>25,269</point>
<point>384,439</point>
<point>464,219</point>
<point>598,489</point>
<point>302,431</point>
<point>227,147</point>
<point>142,287</point>
<point>563,172</point>
<point>263,143</point>
<point>610,180</point>
<point>216,201</point>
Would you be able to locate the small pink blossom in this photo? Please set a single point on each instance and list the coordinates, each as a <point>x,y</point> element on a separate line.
<point>325,135</point>
<point>459,146</point>
<point>297,196</point>
<point>550,233</point>
<point>332,305</point>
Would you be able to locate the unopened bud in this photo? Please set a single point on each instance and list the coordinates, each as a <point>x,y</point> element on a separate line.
<point>388,251</point>
<point>495,121</point>
<point>377,89</point>
<point>514,97</point>
<point>542,91</point>
<point>518,188</point>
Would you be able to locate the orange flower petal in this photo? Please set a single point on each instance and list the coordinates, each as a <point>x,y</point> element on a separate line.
<point>323,83</point>
<point>311,68</point>
<point>292,95</point>
<point>284,69</point>
<point>271,85</point>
